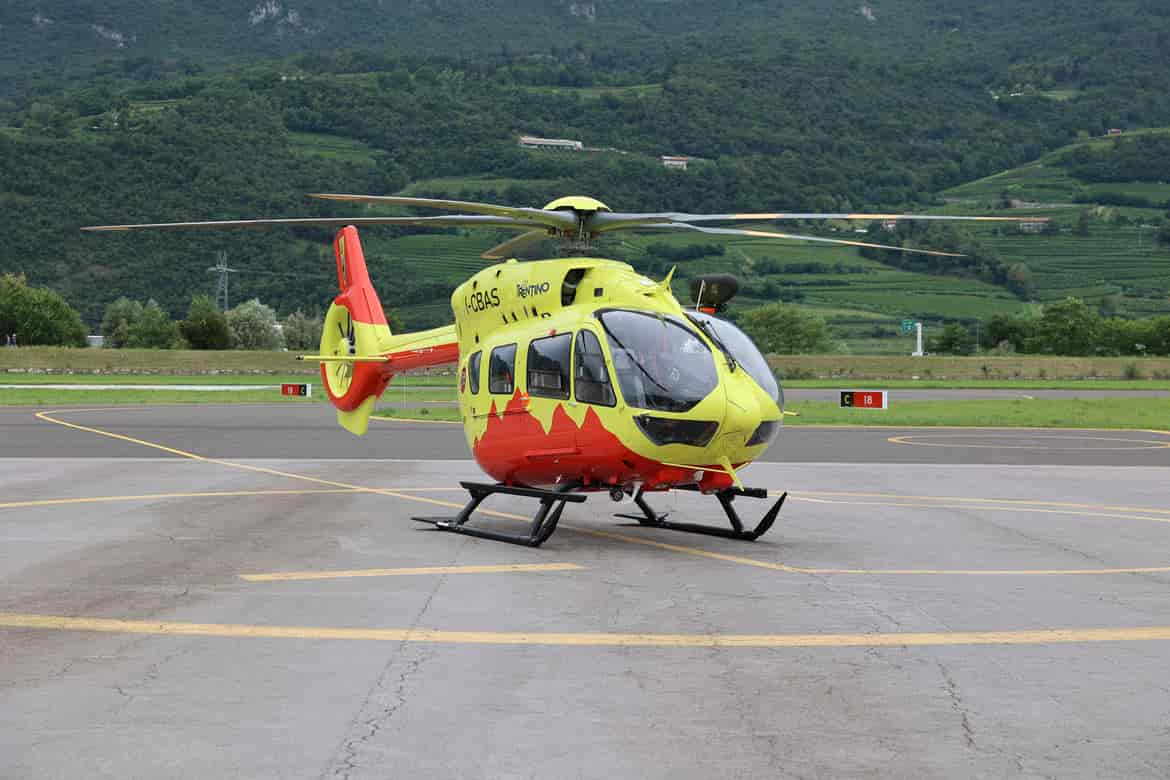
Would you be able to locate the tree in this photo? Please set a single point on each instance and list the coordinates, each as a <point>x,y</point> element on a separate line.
<point>1068,328</point>
<point>1164,232</point>
<point>1083,224</point>
<point>154,329</point>
<point>130,324</point>
<point>253,326</point>
<point>118,321</point>
<point>955,339</point>
<point>302,331</point>
<point>37,315</point>
<point>206,326</point>
<point>1019,280</point>
<point>1004,329</point>
<point>785,329</point>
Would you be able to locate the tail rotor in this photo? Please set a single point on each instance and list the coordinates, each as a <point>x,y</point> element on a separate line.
<point>355,338</point>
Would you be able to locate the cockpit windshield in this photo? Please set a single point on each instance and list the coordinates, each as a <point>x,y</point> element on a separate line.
<point>742,350</point>
<point>661,364</point>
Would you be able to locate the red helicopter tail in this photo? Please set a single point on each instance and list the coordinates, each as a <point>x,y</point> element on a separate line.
<point>359,355</point>
<point>354,338</point>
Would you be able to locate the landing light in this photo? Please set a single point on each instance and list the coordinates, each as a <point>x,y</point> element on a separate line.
<point>664,430</point>
<point>764,433</point>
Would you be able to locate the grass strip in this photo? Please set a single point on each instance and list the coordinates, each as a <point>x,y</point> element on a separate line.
<point>977,384</point>
<point>1140,413</point>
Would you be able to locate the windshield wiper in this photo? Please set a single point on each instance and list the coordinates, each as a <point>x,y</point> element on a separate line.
<point>706,327</point>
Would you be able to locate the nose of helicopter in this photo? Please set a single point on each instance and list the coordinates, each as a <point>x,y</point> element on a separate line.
<point>742,416</point>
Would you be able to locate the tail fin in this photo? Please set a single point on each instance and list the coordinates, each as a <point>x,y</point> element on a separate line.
<point>357,336</point>
<point>359,356</point>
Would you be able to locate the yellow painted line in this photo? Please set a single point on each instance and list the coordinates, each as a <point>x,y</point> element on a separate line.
<point>161,496</point>
<point>684,549</point>
<point>1156,445</point>
<point>974,500</point>
<point>47,417</point>
<point>408,420</point>
<point>336,575</point>
<point>209,494</point>
<point>990,572</point>
<point>243,631</point>
<point>695,551</point>
<point>1034,510</point>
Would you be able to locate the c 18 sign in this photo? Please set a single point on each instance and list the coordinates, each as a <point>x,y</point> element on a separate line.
<point>864,399</point>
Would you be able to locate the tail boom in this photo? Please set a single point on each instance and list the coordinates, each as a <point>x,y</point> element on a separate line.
<point>358,354</point>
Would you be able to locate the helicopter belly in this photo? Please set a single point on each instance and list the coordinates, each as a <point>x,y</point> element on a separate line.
<point>516,448</point>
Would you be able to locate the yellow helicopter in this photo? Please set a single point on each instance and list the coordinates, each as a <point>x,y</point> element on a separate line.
<point>576,374</point>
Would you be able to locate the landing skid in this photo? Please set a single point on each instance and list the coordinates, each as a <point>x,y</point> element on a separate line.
<point>652,519</point>
<point>543,524</point>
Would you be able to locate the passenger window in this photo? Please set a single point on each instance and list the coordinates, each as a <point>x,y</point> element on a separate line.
<point>548,366</point>
<point>592,377</point>
<point>473,371</point>
<point>501,370</point>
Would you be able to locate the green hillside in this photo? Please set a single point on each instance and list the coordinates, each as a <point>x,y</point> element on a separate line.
<point>1048,179</point>
<point>1104,253</point>
<point>791,105</point>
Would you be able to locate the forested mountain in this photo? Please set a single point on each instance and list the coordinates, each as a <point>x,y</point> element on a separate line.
<point>134,111</point>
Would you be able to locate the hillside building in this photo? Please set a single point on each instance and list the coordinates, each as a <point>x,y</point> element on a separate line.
<point>554,144</point>
<point>678,162</point>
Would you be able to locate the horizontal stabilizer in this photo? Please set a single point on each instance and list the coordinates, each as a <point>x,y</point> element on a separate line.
<point>344,358</point>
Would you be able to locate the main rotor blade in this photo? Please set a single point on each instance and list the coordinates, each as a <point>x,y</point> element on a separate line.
<point>555,219</point>
<point>766,234</point>
<point>455,220</point>
<point>602,221</point>
<point>509,247</point>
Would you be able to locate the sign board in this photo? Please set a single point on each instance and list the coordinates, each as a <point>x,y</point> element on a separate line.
<point>291,389</point>
<point>865,399</point>
<point>907,326</point>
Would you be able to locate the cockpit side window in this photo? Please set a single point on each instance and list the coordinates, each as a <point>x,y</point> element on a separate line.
<point>548,366</point>
<point>473,371</point>
<point>591,376</point>
<point>502,370</point>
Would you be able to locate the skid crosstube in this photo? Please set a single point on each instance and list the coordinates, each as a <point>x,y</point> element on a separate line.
<point>652,519</point>
<point>543,523</point>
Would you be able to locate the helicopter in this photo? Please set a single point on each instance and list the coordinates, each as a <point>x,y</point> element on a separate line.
<point>576,374</point>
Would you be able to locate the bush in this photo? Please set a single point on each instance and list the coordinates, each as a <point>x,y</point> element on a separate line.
<point>120,316</point>
<point>955,339</point>
<point>37,315</point>
<point>154,329</point>
<point>130,324</point>
<point>206,326</point>
<point>1068,328</point>
<point>302,331</point>
<point>1072,328</point>
<point>253,326</point>
<point>778,328</point>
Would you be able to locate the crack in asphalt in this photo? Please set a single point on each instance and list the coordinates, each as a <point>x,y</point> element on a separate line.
<point>345,761</point>
<point>953,693</point>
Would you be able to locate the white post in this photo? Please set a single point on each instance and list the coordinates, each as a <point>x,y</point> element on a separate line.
<point>918,329</point>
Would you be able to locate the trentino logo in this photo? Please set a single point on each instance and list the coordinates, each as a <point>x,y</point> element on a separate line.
<point>524,290</point>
